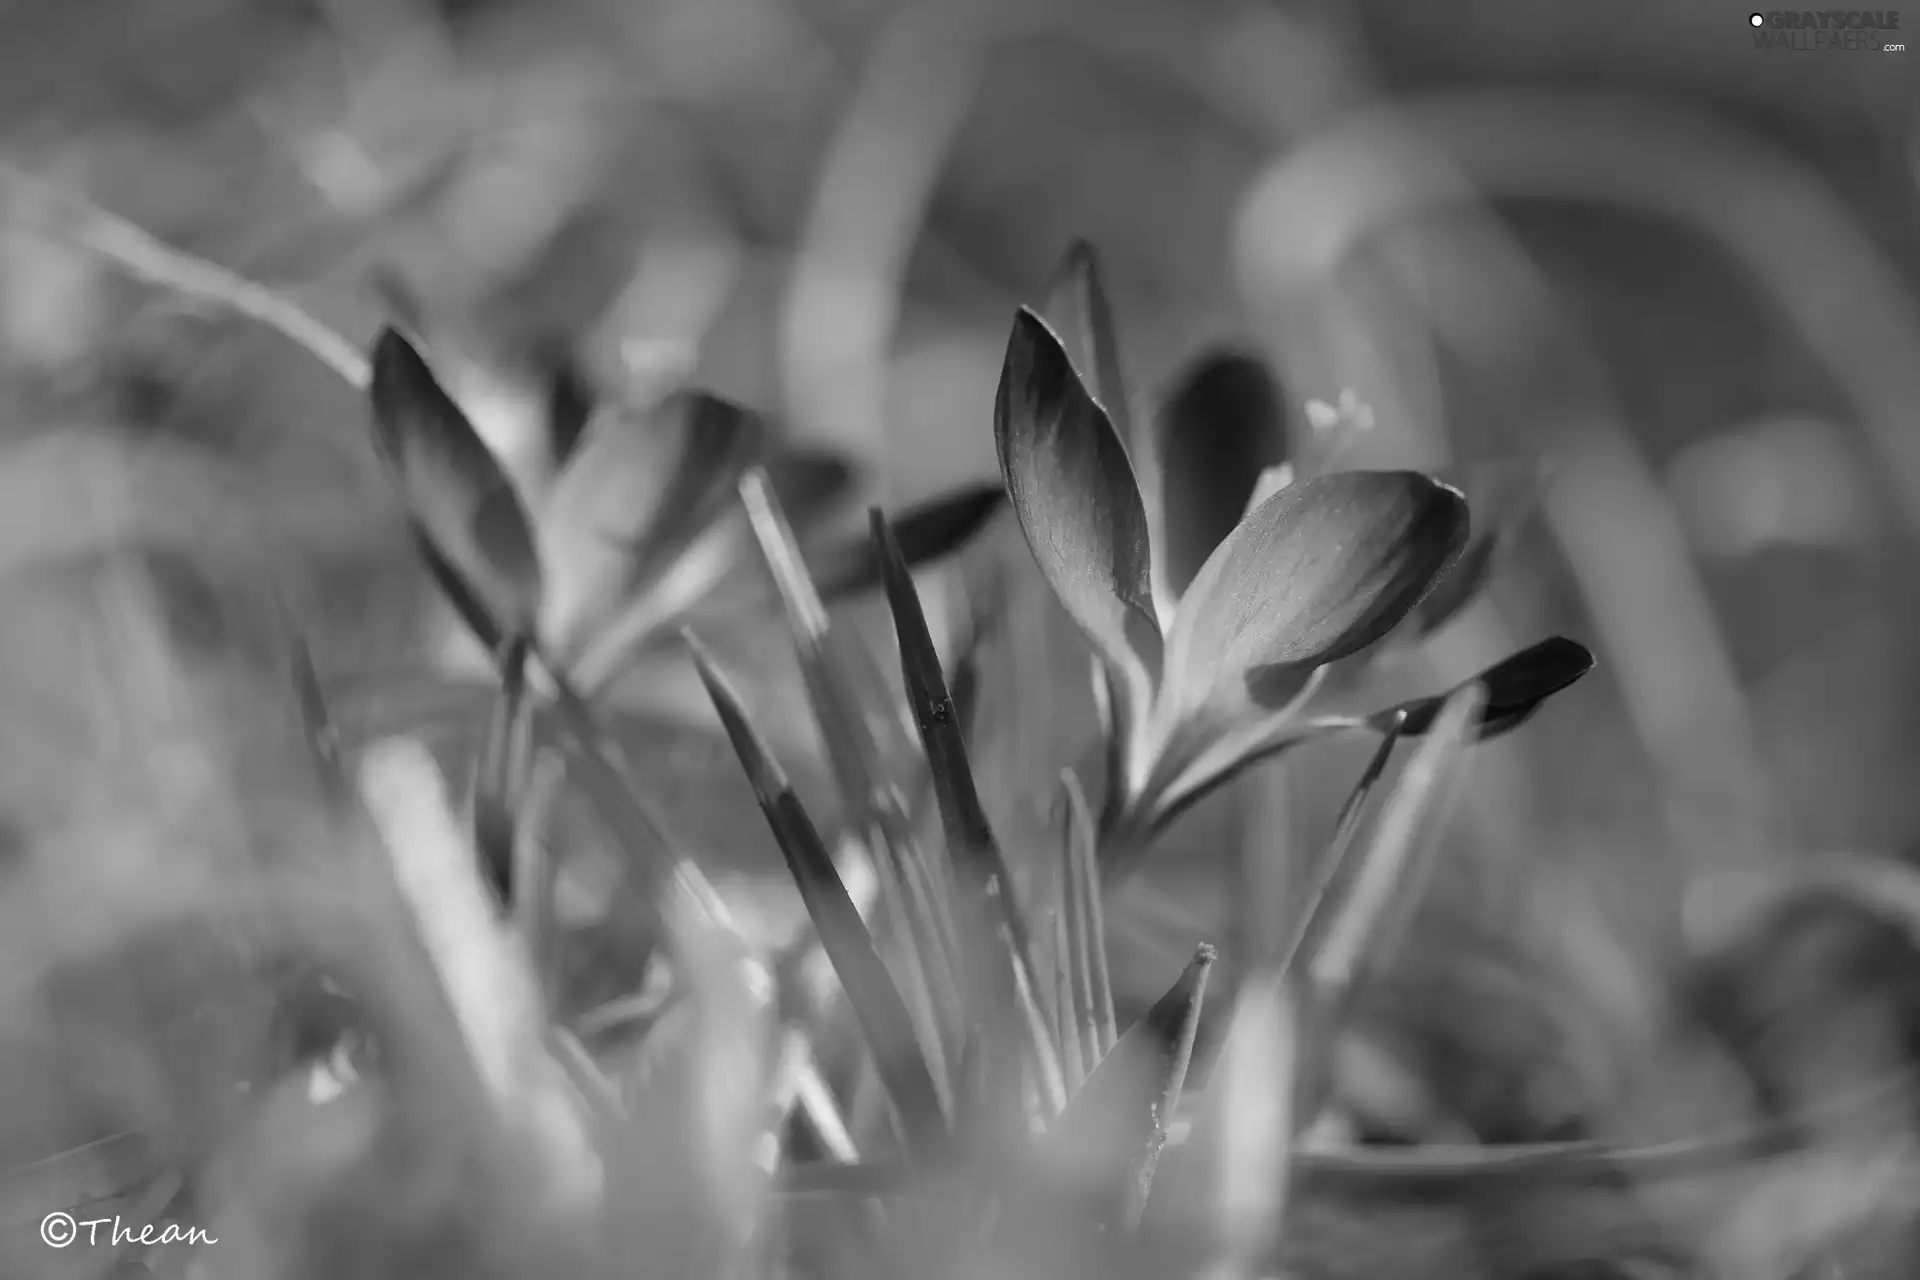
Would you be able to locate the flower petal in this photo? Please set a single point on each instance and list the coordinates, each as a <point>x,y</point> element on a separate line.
<point>1221,428</point>
<point>1074,494</point>
<point>459,495</point>
<point>1320,570</point>
<point>643,484</point>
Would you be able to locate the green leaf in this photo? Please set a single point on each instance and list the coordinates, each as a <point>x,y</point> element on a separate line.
<point>1516,687</point>
<point>1113,1131</point>
<point>1078,309</point>
<point>875,1000</point>
<point>1074,494</point>
<point>1320,570</point>
<point>1221,428</point>
<point>460,498</point>
<point>643,484</point>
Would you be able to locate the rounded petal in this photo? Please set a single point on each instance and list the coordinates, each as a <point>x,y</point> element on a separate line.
<point>1320,570</point>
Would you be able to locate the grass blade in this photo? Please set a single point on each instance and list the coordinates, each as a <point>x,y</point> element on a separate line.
<point>1074,1065</point>
<point>864,745</point>
<point>466,601</point>
<point>695,914</point>
<point>1093,896</point>
<point>598,1095</point>
<point>1255,1120</point>
<point>322,737</point>
<point>499,774</point>
<point>988,1123</point>
<point>1311,921</point>
<point>815,1103</point>
<point>977,862</point>
<point>1364,924</point>
<point>1079,1037</point>
<point>1092,1022</point>
<point>1276,735</point>
<point>876,1001</point>
<point>1114,1129</point>
<point>535,870</point>
<point>488,983</point>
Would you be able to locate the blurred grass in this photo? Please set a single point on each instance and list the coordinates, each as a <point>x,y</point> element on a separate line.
<point>836,203</point>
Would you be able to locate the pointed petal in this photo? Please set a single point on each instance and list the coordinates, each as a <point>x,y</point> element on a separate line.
<point>1074,494</point>
<point>642,485</point>
<point>456,490</point>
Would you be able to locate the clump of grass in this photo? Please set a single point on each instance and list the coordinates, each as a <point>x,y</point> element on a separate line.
<point>998,1115</point>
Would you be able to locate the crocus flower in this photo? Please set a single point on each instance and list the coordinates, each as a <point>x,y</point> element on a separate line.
<point>597,549</point>
<point>1209,624</point>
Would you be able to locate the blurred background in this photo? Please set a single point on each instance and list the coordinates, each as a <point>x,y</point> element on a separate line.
<point>1670,272</point>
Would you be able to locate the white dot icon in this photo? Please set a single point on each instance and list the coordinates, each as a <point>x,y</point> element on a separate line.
<point>1756,19</point>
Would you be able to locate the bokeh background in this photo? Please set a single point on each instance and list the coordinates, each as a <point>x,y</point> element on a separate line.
<point>1615,242</point>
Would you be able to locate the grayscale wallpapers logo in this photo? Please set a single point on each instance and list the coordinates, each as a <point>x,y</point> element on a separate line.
<point>1828,31</point>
